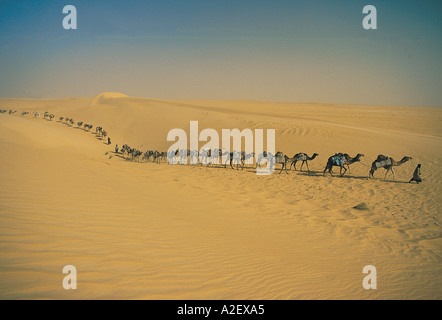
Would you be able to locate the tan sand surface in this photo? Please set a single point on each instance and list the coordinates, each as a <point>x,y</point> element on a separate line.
<point>138,230</point>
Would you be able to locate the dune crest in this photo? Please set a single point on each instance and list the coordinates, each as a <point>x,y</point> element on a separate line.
<point>102,97</point>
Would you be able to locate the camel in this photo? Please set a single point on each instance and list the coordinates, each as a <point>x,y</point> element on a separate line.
<point>280,158</point>
<point>214,155</point>
<point>387,163</point>
<point>220,154</point>
<point>246,156</point>
<point>136,155</point>
<point>239,157</point>
<point>261,157</point>
<point>340,160</point>
<point>125,149</point>
<point>172,155</point>
<point>208,156</point>
<point>24,113</point>
<point>183,155</point>
<point>156,156</point>
<point>147,155</point>
<point>283,160</point>
<point>79,124</point>
<point>234,156</point>
<point>268,156</point>
<point>304,158</point>
<point>130,152</point>
<point>193,156</point>
<point>205,155</point>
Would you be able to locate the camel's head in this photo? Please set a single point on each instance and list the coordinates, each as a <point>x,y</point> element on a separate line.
<point>315,155</point>
<point>359,156</point>
<point>405,159</point>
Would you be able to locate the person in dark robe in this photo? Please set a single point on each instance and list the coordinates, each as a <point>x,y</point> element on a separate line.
<point>416,175</point>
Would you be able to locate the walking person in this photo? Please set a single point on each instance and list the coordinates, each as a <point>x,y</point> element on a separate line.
<point>416,174</point>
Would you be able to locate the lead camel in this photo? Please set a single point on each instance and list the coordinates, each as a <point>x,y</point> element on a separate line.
<point>387,163</point>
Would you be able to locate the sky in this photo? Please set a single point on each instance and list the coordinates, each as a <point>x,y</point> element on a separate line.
<point>280,50</point>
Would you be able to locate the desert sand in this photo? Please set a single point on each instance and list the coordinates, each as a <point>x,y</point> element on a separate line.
<point>141,230</point>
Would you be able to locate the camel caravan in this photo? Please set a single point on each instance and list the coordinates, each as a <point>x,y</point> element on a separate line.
<point>100,133</point>
<point>236,159</point>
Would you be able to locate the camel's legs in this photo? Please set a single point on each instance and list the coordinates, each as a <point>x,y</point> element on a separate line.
<point>282,167</point>
<point>345,170</point>
<point>231,164</point>
<point>385,178</point>
<point>308,169</point>
<point>329,170</point>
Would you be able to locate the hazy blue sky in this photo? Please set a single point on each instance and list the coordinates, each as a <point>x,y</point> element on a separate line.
<point>300,51</point>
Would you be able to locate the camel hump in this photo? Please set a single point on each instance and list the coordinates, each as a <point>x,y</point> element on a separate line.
<point>339,159</point>
<point>280,158</point>
<point>383,163</point>
<point>381,157</point>
<point>301,157</point>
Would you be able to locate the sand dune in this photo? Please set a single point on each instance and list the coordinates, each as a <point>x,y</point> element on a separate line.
<point>157,231</point>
